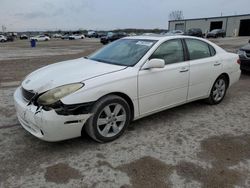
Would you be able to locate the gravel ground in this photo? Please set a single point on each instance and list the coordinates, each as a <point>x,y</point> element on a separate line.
<point>194,145</point>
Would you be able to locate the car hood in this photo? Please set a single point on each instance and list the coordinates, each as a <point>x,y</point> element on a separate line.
<point>247,47</point>
<point>67,72</point>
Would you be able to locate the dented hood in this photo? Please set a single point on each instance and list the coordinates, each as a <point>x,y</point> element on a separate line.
<point>66,72</point>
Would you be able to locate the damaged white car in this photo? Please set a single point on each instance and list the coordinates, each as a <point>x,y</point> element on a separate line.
<point>124,81</point>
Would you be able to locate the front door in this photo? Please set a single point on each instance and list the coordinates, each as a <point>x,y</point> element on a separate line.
<point>160,88</point>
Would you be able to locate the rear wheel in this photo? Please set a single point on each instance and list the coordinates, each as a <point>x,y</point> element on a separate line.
<point>111,116</point>
<point>218,90</point>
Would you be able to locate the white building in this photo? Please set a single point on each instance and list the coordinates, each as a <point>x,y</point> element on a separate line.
<point>238,25</point>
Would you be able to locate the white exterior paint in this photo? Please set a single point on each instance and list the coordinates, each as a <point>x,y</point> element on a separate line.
<point>75,37</point>
<point>150,90</point>
<point>3,38</point>
<point>40,38</point>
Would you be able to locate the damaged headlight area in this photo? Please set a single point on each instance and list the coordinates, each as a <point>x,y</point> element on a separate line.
<point>54,95</point>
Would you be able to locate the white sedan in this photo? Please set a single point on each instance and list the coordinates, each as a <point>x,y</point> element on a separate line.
<point>3,38</point>
<point>129,79</point>
<point>76,36</point>
<point>40,38</point>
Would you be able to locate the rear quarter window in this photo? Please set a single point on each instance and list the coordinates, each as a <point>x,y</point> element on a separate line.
<point>212,50</point>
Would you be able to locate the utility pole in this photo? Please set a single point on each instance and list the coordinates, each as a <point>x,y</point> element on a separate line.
<point>4,28</point>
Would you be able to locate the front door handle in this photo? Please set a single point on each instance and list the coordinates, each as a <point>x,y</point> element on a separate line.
<point>217,64</point>
<point>184,69</point>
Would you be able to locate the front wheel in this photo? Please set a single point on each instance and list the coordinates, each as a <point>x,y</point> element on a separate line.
<point>111,116</point>
<point>218,90</point>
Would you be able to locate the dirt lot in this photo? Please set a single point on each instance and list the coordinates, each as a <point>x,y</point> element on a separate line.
<point>194,145</point>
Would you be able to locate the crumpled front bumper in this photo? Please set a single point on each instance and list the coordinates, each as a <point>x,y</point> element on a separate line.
<point>47,125</point>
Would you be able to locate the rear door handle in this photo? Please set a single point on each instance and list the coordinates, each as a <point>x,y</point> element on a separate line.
<point>217,64</point>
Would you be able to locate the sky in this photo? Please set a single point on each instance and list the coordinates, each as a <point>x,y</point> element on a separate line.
<point>24,15</point>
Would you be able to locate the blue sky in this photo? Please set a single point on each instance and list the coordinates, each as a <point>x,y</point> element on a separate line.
<point>21,15</point>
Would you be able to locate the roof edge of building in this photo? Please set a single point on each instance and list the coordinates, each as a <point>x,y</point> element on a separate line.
<point>217,17</point>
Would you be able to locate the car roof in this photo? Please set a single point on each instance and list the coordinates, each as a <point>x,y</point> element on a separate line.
<point>159,37</point>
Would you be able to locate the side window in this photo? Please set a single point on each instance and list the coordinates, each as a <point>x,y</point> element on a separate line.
<point>212,50</point>
<point>197,49</point>
<point>171,51</point>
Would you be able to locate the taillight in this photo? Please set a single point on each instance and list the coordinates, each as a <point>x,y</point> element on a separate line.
<point>238,61</point>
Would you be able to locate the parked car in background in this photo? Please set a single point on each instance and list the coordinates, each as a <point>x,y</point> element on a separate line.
<point>244,53</point>
<point>92,34</point>
<point>132,34</point>
<point>40,38</point>
<point>101,34</point>
<point>112,37</point>
<point>57,36</point>
<point>195,32</point>
<point>23,37</point>
<point>216,33</point>
<point>175,32</point>
<point>129,79</point>
<point>76,36</point>
<point>10,38</point>
<point>3,38</point>
<point>65,36</point>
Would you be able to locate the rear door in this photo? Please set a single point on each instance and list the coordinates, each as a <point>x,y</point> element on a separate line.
<point>205,67</point>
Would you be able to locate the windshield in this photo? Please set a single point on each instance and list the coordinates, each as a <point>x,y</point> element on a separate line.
<point>125,52</point>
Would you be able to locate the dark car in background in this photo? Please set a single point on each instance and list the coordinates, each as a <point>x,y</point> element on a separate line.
<point>244,53</point>
<point>92,34</point>
<point>23,37</point>
<point>101,34</point>
<point>10,38</point>
<point>216,33</point>
<point>110,37</point>
<point>196,32</point>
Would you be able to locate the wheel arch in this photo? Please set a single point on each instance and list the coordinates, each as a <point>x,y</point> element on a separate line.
<point>126,98</point>
<point>227,78</point>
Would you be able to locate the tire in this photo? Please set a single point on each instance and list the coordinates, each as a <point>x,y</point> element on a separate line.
<point>218,91</point>
<point>111,116</point>
<point>2,40</point>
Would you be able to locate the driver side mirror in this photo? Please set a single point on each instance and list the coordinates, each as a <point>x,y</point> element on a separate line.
<point>154,63</point>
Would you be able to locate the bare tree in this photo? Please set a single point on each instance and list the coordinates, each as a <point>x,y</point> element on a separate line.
<point>176,15</point>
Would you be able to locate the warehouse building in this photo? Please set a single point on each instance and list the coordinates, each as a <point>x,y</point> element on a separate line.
<point>238,25</point>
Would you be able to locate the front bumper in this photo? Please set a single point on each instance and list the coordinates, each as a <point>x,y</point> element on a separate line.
<point>47,125</point>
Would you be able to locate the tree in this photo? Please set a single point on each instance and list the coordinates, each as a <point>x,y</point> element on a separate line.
<point>176,15</point>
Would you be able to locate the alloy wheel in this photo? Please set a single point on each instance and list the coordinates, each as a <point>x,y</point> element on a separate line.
<point>111,120</point>
<point>219,90</point>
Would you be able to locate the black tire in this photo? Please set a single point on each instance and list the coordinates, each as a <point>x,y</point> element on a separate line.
<point>2,40</point>
<point>91,126</point>
<point>212,100</point>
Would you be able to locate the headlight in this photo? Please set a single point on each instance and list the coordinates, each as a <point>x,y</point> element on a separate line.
<point>241,53</point>
<point>56,94</point>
